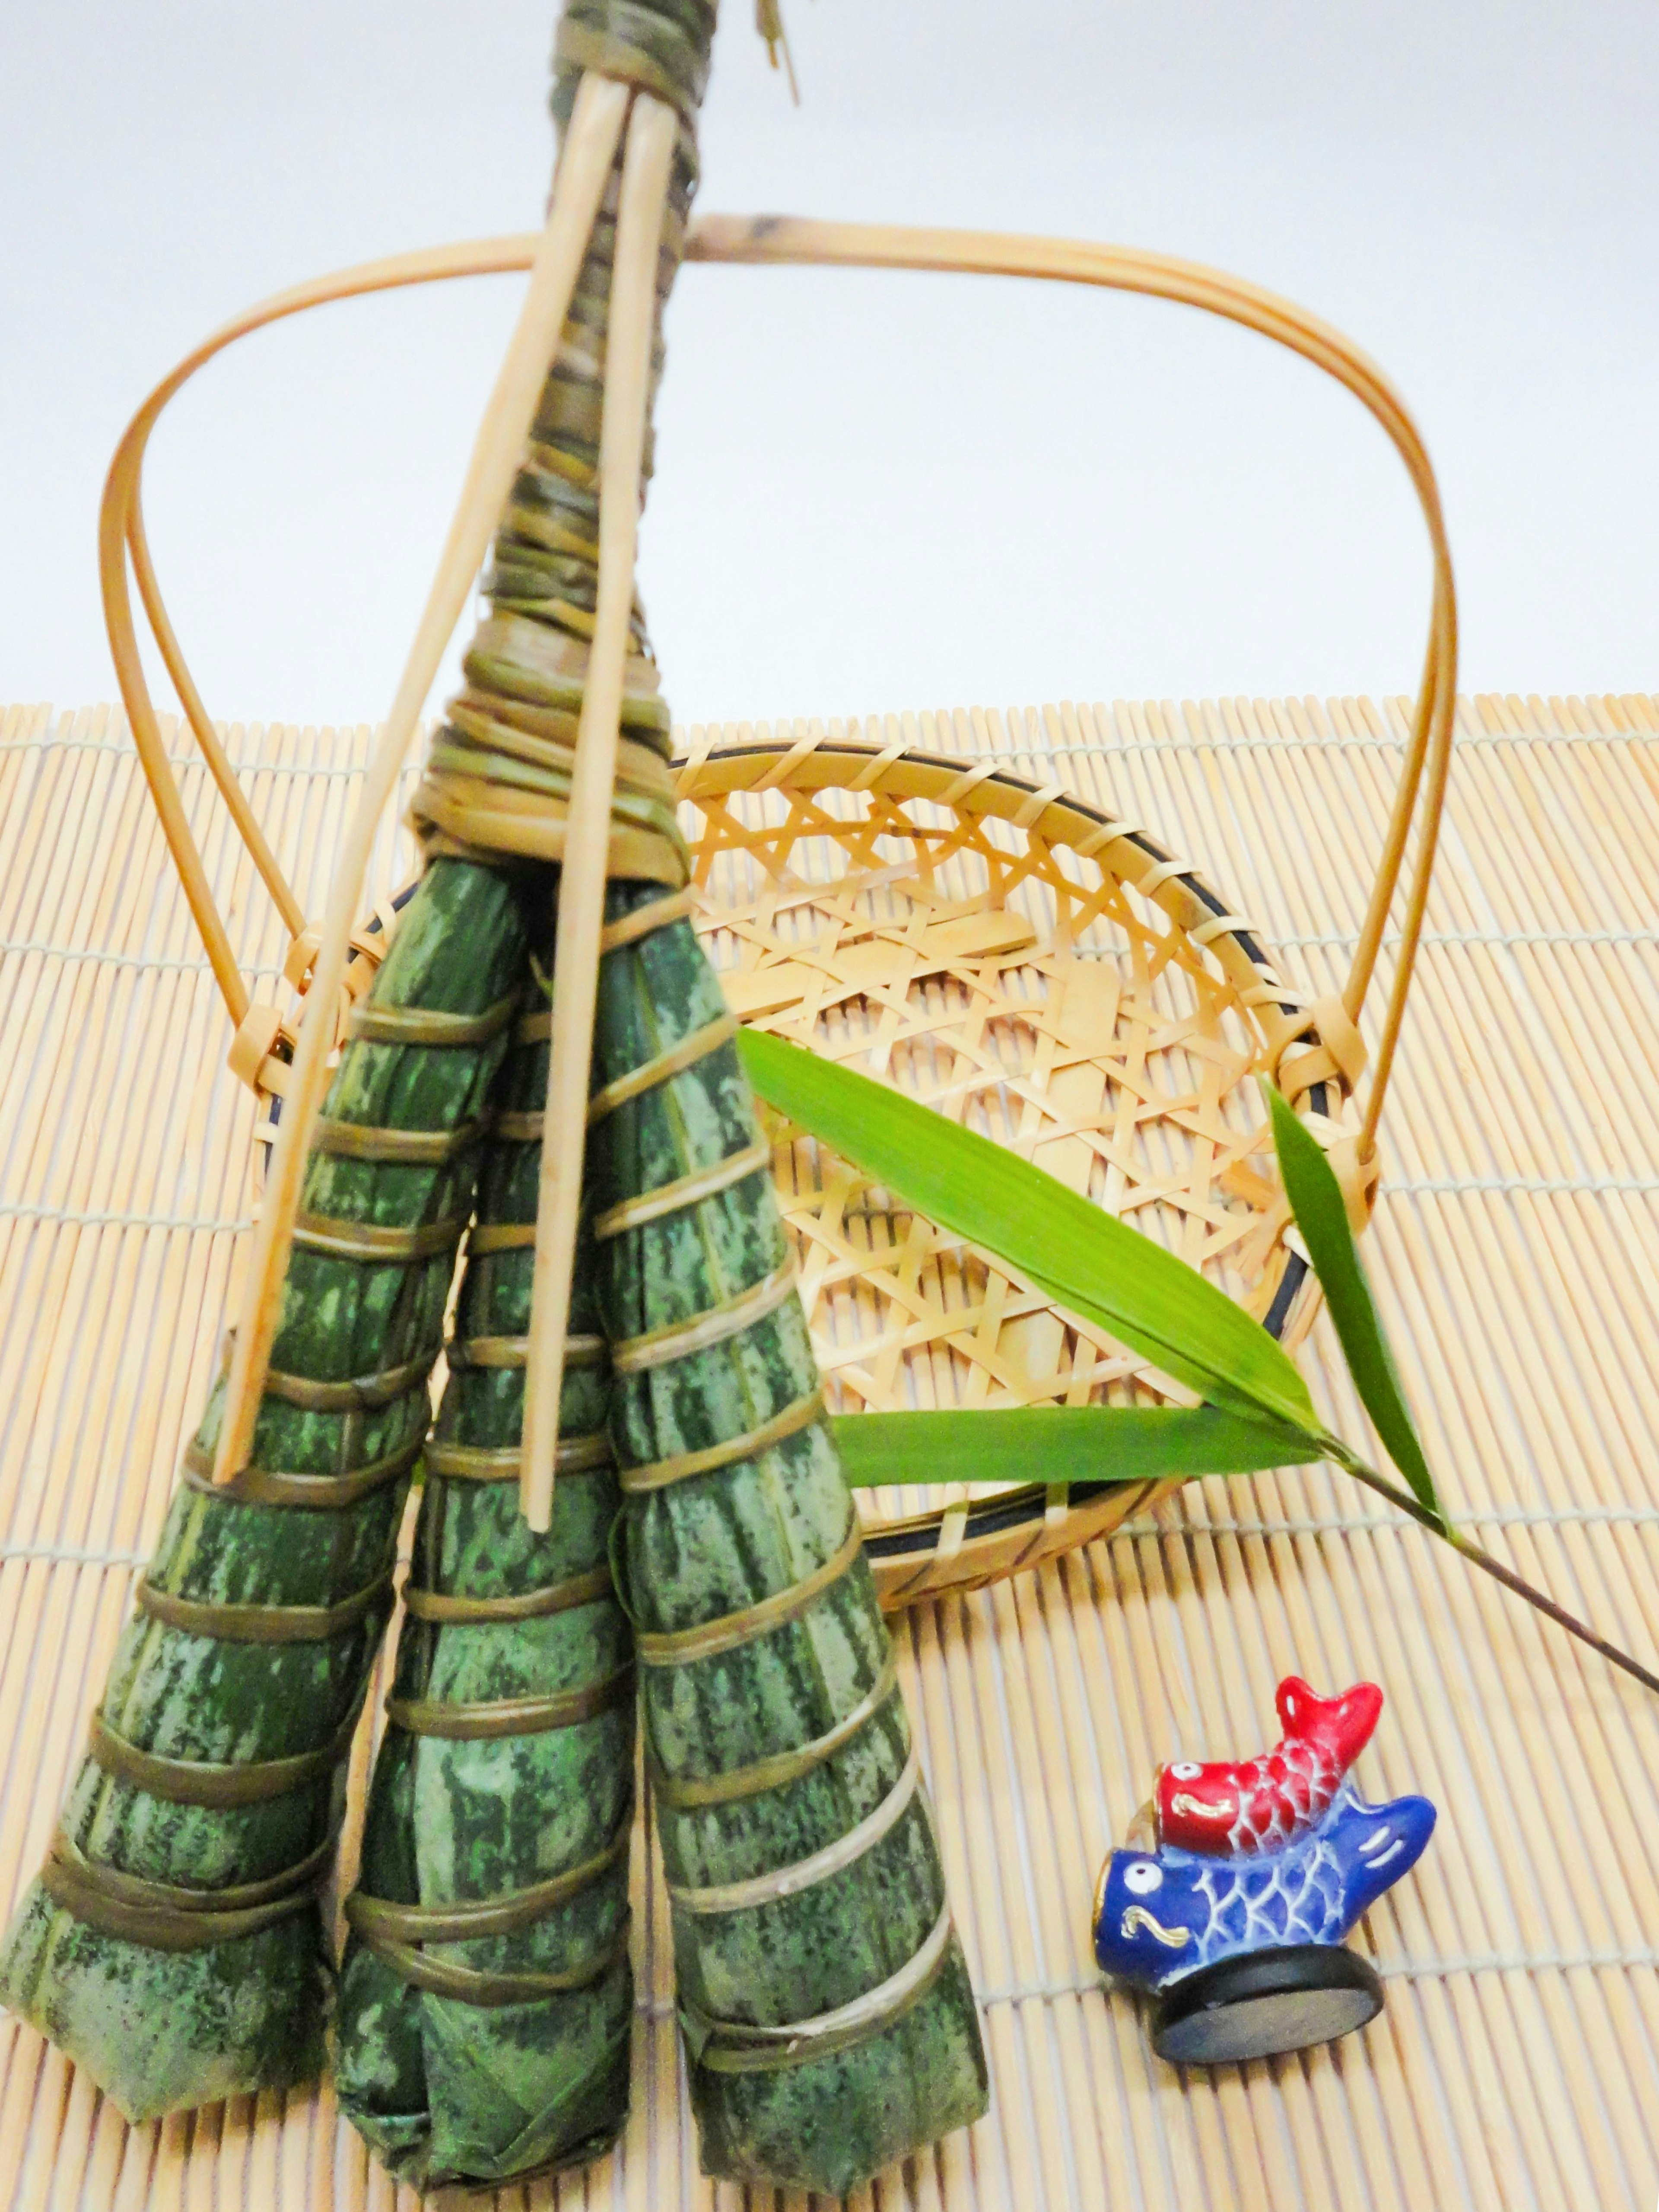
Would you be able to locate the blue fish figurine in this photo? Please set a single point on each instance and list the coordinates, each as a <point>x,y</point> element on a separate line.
<point>1245,1953</point>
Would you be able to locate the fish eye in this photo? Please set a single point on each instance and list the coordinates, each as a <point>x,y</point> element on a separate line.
<point>1186,1770</point>
<point>1142,1878</point>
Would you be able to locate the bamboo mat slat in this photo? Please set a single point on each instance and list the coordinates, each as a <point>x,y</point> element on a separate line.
<point>1516,1251</point>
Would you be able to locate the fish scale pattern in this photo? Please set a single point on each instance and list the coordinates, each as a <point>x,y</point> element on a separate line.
<point>1239,1808</point>
<point>1293,1898</point>
<point>1290,1787</point>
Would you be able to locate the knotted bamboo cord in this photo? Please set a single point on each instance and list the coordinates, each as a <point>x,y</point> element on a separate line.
<point>1512,1252</point>
<point>731,2048</point>
<point>935,1555</point>
<point>790,1879</point>
<point>172,1918</point>
<point>775,241</point>
<point>462,1920</point>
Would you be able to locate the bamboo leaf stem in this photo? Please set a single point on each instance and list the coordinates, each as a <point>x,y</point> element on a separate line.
<point>1477,1556</point>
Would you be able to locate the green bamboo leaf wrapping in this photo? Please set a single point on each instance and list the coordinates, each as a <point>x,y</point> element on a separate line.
<point>760,1525</point>
<point>445,2090</point>
<point>161,2029</point>
<point>1083,1258</point>
<point>1059,1444</point>
<point>714,1545</point>
<point>1316,1201</point>
<point>756,1527</point>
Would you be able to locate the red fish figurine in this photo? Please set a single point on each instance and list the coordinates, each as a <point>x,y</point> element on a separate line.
<point>1232,1808</point>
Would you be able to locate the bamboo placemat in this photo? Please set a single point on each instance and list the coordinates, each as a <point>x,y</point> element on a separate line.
<point>1515,1251</point>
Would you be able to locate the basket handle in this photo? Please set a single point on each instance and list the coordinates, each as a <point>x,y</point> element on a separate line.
<point>785,240</point>
<point>121,539</point>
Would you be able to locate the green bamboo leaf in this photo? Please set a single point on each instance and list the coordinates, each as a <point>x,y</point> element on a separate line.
<point>1060,1444</point>
<point>1081,1257</point>
<point>1316,1201</point>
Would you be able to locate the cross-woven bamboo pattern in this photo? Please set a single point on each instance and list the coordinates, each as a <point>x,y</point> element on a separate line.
<point>1514,1252</point>
<point>993,947</point>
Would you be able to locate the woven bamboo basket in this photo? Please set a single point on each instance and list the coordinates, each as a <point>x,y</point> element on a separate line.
<point>1049,973</point>
<point>1053,978</point>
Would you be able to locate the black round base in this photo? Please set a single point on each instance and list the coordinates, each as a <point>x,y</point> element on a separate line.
<point>1265,2004</point>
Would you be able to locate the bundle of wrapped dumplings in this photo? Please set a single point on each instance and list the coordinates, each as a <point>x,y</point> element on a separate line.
<point>698,1610</point>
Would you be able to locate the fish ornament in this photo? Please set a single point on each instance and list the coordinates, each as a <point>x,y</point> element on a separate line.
<point>1228,1809</point>
<point>1235,1918</point>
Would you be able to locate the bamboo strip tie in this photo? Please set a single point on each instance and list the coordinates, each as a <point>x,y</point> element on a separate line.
<point>650,136</point>
<point>589,144</point>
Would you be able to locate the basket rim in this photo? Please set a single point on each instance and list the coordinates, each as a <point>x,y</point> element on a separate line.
<point>1265,995</point>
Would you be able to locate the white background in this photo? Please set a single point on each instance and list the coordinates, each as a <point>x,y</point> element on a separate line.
<point>872,491</point>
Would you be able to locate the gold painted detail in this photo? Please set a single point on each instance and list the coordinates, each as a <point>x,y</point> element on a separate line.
<point>1200,1808</point>
<point>1173,1939</point>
